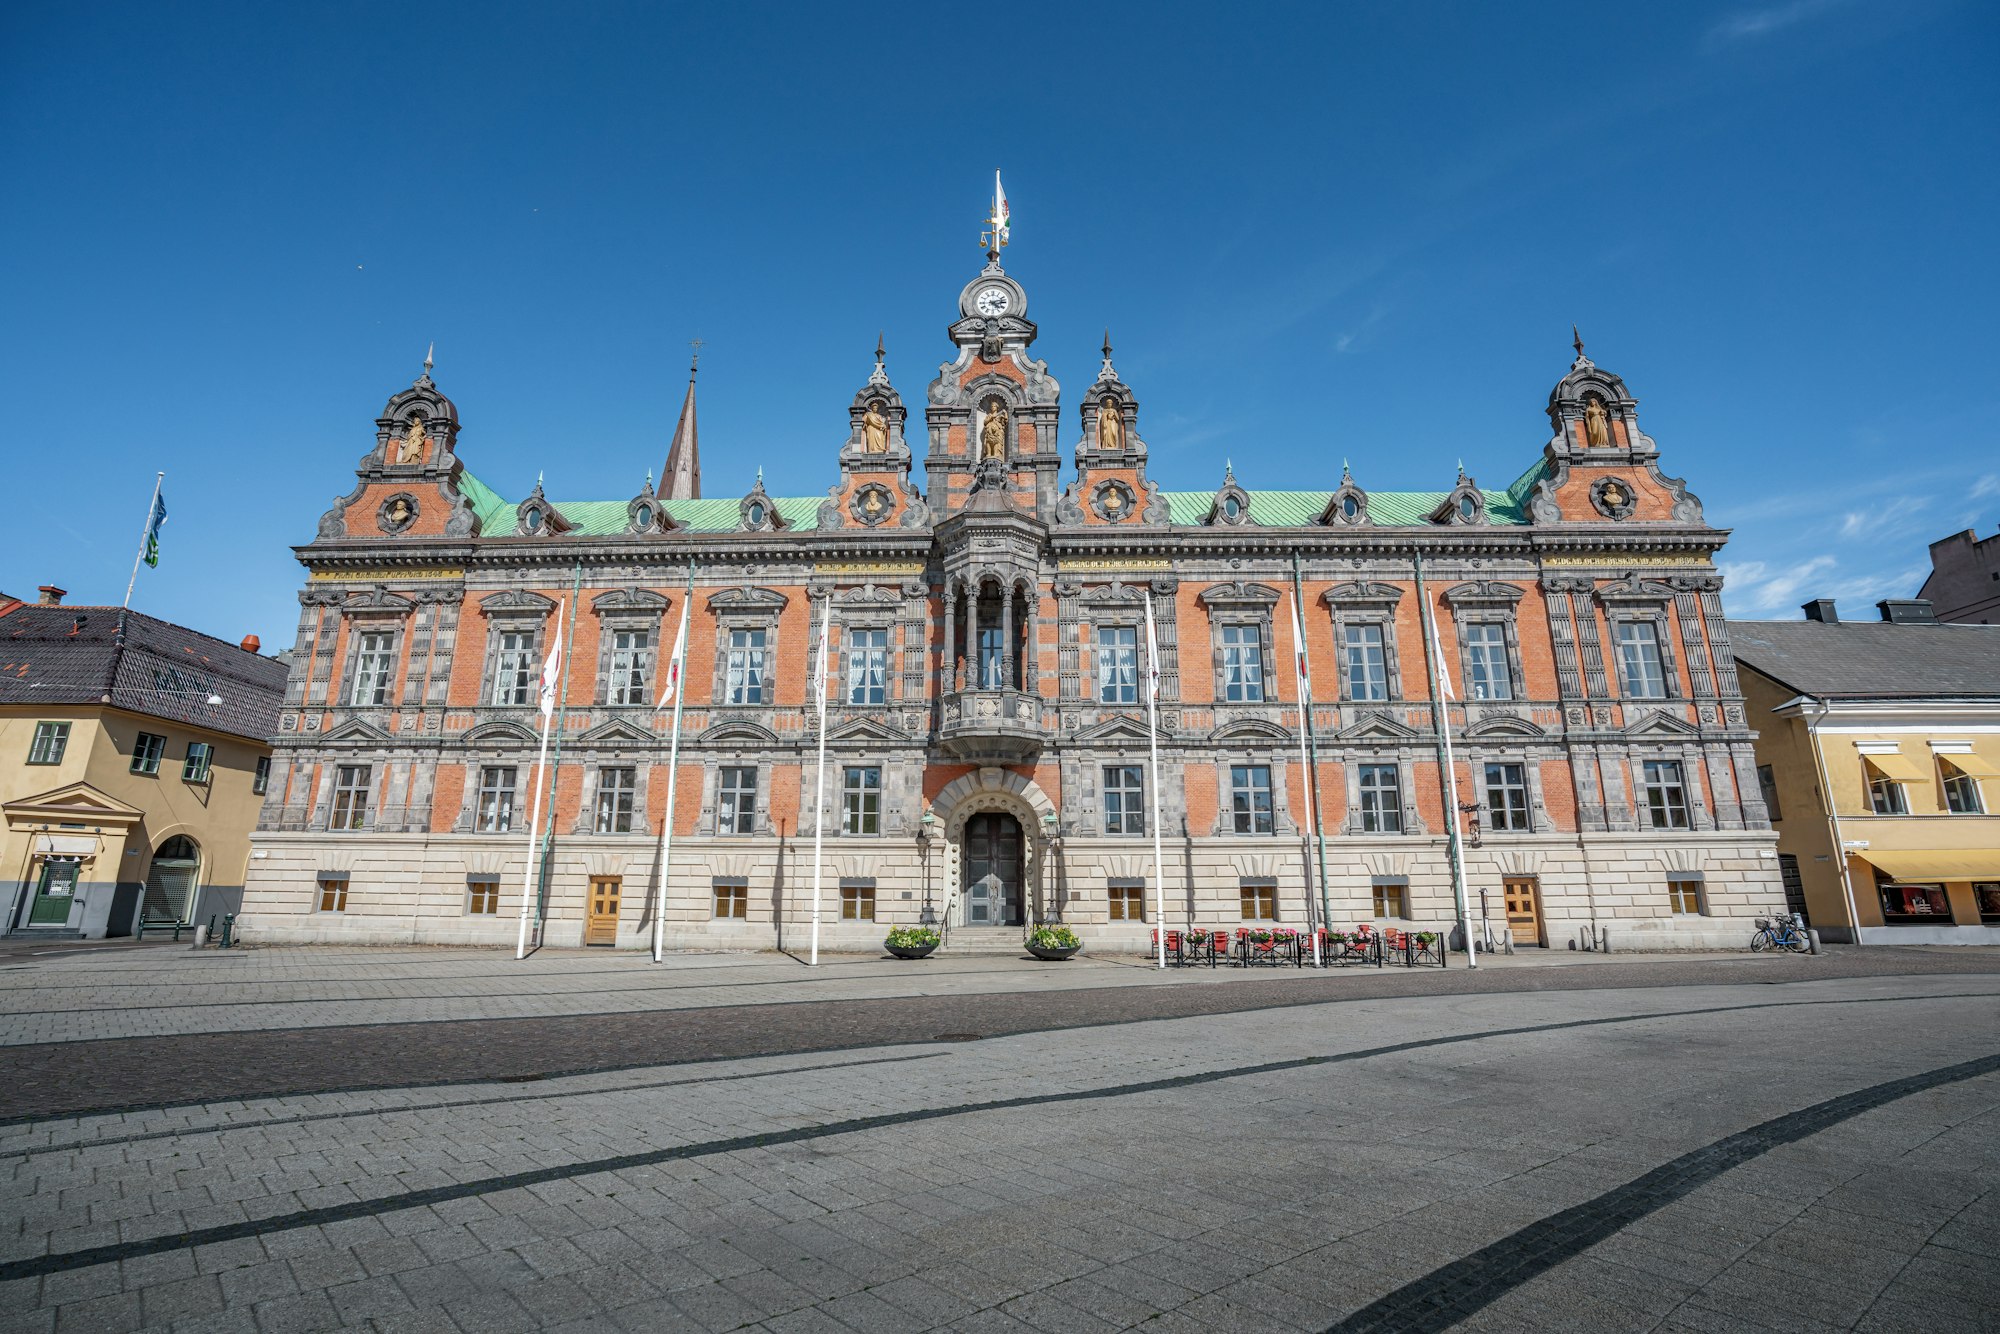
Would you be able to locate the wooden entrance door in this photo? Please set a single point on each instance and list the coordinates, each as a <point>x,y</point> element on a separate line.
<point>1524,915</point>
<point>54,893</point>
<point>993,870</point>
<point>602,926</point>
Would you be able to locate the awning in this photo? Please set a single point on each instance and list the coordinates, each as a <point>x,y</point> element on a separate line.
<point>1970,764</point>
<point>1900,767</point>
<point>1969,864</point>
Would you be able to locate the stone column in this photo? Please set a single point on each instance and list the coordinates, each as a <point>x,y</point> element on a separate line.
<point>949,658</point>
<point>1007,636</point>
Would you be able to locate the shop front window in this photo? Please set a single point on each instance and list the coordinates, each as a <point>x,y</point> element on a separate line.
<point>1986,893</point>
<point>1915,905</point>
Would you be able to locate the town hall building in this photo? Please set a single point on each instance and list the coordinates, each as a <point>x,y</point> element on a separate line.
<point>987,564</point>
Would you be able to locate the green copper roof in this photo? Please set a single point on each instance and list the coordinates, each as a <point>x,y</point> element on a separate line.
<point>1271,509</point>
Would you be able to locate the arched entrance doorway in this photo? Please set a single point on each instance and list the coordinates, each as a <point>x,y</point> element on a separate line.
<point>170,884</point>
<point>995,862</point>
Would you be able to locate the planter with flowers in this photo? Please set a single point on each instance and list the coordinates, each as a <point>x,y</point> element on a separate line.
<point>1054,942</point>
<point>912,942</point>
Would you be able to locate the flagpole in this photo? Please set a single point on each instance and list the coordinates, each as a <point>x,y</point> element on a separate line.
<point>1306,774</point>
<point>535,819</point>
<point>555,764</point>
<point>1153,744</point>
<point>819,682</point>
<point>145,529</point>
<point>676,679</point>
<point>1312,743</point>
<point>1434,662</point>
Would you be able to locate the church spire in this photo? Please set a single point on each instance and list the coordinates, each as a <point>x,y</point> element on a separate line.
<point>681,478</point>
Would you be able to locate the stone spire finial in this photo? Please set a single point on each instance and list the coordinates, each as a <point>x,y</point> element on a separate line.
<point>880,375</point>
<point>1576,341</point>
<point>681,478</point>
<point>430,359</point>
<point>1106,373</point>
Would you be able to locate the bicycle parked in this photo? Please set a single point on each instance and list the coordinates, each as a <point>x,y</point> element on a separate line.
<point>1780,933</point>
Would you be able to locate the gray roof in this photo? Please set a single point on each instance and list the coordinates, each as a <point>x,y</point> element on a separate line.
<point>73,655</point>
<point>1873,659</point>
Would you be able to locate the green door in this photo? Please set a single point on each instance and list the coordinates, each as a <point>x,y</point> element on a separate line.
<point>53,894</point>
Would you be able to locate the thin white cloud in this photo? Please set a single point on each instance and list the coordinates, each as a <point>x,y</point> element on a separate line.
<point>1989,485</point>
<point>1755,587</point>
<point>1753,23</point>
<point>1887,517</point>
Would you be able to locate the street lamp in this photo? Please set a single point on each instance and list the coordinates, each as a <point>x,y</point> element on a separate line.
<point>924,827</point>
<point>1052,835</point>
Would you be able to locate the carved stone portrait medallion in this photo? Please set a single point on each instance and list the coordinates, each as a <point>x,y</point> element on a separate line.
<point>398,512</point>
<point>1614,498</point>
<point>1113,502</point>
<point>871,504</point>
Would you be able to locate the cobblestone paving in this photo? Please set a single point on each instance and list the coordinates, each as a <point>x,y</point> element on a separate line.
<point>1793,1144</point>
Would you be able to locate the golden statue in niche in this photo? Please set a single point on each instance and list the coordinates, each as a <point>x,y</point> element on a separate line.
<point>400,512</point>
<point>993,434</point>
<point>1596,421</point>
<point>874,429</point>
<point>1615,495</point>
<point>1110,427</point>
<point>412,448</point>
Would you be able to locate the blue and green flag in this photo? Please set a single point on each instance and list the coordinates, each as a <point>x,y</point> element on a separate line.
<point>159,516</point>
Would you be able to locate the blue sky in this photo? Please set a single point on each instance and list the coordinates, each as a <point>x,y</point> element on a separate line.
<point>1315,231</point>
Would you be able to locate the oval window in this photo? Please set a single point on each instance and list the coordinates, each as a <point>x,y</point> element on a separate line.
<point>534,521</point>
<point>756,515</point>
<point>1232,507</point>
<point>643,516</point>
<point>1350,507</point>
<point>1467,507</point>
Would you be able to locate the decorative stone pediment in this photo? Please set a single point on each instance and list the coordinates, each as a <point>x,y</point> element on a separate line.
<point>747,599</point>
<point>72,803</point>
<point>1659,723</point>
<point>1122,728</point>
<point>1483,592</point>
<point>1379,727</point>
<point>866,729</point>
<point>1634,589</point>
<point>376,598</point>
<point>629,601</point>
<point>517,602</point>
<point>1239,594</point>
<point>741,730</point>
<point>1503,725</point>
<point>616,732</point>
<point>356,729</point>
<point>1362,594</point>
<point>1251,729</point>
<point>500,732</point>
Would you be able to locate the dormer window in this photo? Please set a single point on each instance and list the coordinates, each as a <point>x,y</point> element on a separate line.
<point>534,521</point>
<point>1467,507</point>
<point>756,514</point>
<point>1350,508</point>
<point>1232,507</point>
<point>643,516</point>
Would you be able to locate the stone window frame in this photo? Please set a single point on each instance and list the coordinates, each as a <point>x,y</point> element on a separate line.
<point>1531,778</point>
<point>1642,794</point>
<point>1118,606</point>
<point>627,609</point>
<point>860,812</point>
<point>513,613</point>
<point>592,813</point>
<point>759,805</point>
<point>1366,603</point>
<point>1489,602</point>
<point>1242,604</point>
<point>750,608</point>
<point>1694,792</point>
<point>1357,819</point>
<point>1227,769</point>
<point>1125,815</point>
<point>866,608</point>
<point>479,789</point>
<point>741,751</point>
<point>1248,745</point>
<point>337,784</point>
<point>373,623</point>
<point>1631,601</point>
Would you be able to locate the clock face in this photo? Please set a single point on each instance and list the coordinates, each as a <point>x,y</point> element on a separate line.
<point>991,301</point>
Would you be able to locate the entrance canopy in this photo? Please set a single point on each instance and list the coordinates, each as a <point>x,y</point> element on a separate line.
<point>1968,864</point>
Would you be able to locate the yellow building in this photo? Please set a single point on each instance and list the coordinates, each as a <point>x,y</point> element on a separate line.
<point>133,759</point>
<point>1899,720</point>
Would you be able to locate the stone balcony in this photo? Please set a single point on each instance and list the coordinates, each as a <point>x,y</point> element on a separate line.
<point>999,725</point>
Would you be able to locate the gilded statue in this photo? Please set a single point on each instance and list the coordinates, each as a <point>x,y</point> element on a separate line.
<point>1110,427</point>
<point>412,449</point>
<point>400,512</point>
<point>993,435</point>
<point>1596,422</point>
<point>874,429</point>
<point>1615,495</point>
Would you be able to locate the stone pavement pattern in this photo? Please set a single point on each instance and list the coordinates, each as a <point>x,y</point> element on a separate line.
<point>1278,1168</point>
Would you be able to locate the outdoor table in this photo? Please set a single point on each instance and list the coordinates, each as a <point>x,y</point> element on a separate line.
<point>1274,953</point>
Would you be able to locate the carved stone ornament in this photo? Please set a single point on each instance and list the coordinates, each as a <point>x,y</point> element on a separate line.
<point>871,504</point>
<point>1614,498</point>
<point>397,513</point>
<point>1113,502</point>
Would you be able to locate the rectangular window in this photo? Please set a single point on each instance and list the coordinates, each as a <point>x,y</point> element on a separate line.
<point>1961,791</point>
<point>867,666</point>
<point>147,752</point>
<point>1684,895</point>
<point>1915,905</point>
<point>1250,798</point>
<point>1507,795</point>
<point>374,664</point>
<point>732,899</point>
<point>332,891</point>
<point>1367,665</point>
<point>350,797</point>
<point>482,895</point>
<point>1392,899</point>
<point>1242,664</point>
<point>744,682</point>
<point>861,801</point>
<point>1117,664</point>
<point>1885,794</point>
<point>1767,785</point>
<point>1124,799</point>
<point>1487,673</point>
<point>989,670</point>
<point>1128,900</point>
<point>1666,794</point>
<point>1986,896</point>
<point>1639,660</point>
<point>496,799</point>
<point>1381,799</point>
<point>857,900</point>
<point>630,656</point>
<point>260,780</point>
<point>736,800</point>
<point>514,673</point>
<point>1259,899</point>
<point>51,740</point>
<point>615,790</point>
<point>200,755</point>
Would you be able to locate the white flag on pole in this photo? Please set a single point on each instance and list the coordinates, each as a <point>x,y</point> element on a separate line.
<point>674,662</point>
<point>820,668</point>
<point>1437,646</point>
<point>1001,228</point>
<point>1152,656</point>
<point>1301,666</point>
<point>552,670</point>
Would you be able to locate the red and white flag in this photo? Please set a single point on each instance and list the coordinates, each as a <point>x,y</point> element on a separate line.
<point>1300,666</point>
<point>672,682</point>
<point>552,668</point>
